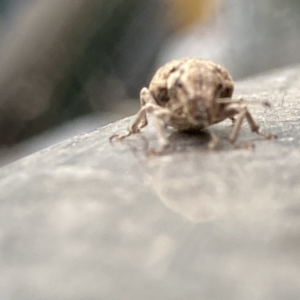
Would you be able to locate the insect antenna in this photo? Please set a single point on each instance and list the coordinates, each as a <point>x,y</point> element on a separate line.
<point>264,103</point>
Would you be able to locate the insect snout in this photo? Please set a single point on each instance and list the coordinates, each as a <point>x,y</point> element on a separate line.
<point>196,110</point>
<point>201,112</point>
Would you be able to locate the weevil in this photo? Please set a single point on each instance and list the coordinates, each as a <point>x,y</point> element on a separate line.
<point>190,95</point>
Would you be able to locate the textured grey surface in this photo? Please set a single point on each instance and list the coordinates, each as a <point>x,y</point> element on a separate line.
<point>89,220</point>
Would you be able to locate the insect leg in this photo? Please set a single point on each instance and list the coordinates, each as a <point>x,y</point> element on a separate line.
<point>242,112</point>
<point>136,126</point>
<point>146,101</point>
<point>147,104</point>
<point>255,128</point>
<point>237,125</point>
<point>161,117</point>
<point>145,98</point>
<point>214,139</point>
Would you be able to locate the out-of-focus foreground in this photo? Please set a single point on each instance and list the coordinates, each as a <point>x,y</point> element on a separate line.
<point>67,67</point>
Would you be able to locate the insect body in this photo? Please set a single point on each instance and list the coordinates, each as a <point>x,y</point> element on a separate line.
<point>191,94</point>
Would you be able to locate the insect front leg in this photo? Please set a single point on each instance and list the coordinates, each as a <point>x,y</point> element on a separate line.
<point>240,112</point>
<point>145,98</point>
<point>237,124</point>
<point>214,139</point>
<point>255,128</point>
<point>161,117</point>
<point>147,104</point>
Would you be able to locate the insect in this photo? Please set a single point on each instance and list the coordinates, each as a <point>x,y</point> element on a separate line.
<point>190,95</point>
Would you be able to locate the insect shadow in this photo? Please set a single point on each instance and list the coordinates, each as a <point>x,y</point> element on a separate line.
<point>179,142</point>
<point>187,139</point>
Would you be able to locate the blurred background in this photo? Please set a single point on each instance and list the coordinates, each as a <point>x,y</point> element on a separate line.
<point>68,67</point>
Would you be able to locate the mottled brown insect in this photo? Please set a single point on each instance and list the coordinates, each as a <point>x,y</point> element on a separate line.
<point>191,94</point>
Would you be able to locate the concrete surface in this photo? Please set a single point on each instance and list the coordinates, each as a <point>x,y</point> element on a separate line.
<point>89,220</point>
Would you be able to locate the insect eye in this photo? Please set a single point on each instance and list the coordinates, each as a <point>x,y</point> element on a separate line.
<point>179,83</point>
<point>220,86</point>
<point>173,70</point>
<point>162,96</point>
<point>227,92</point>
